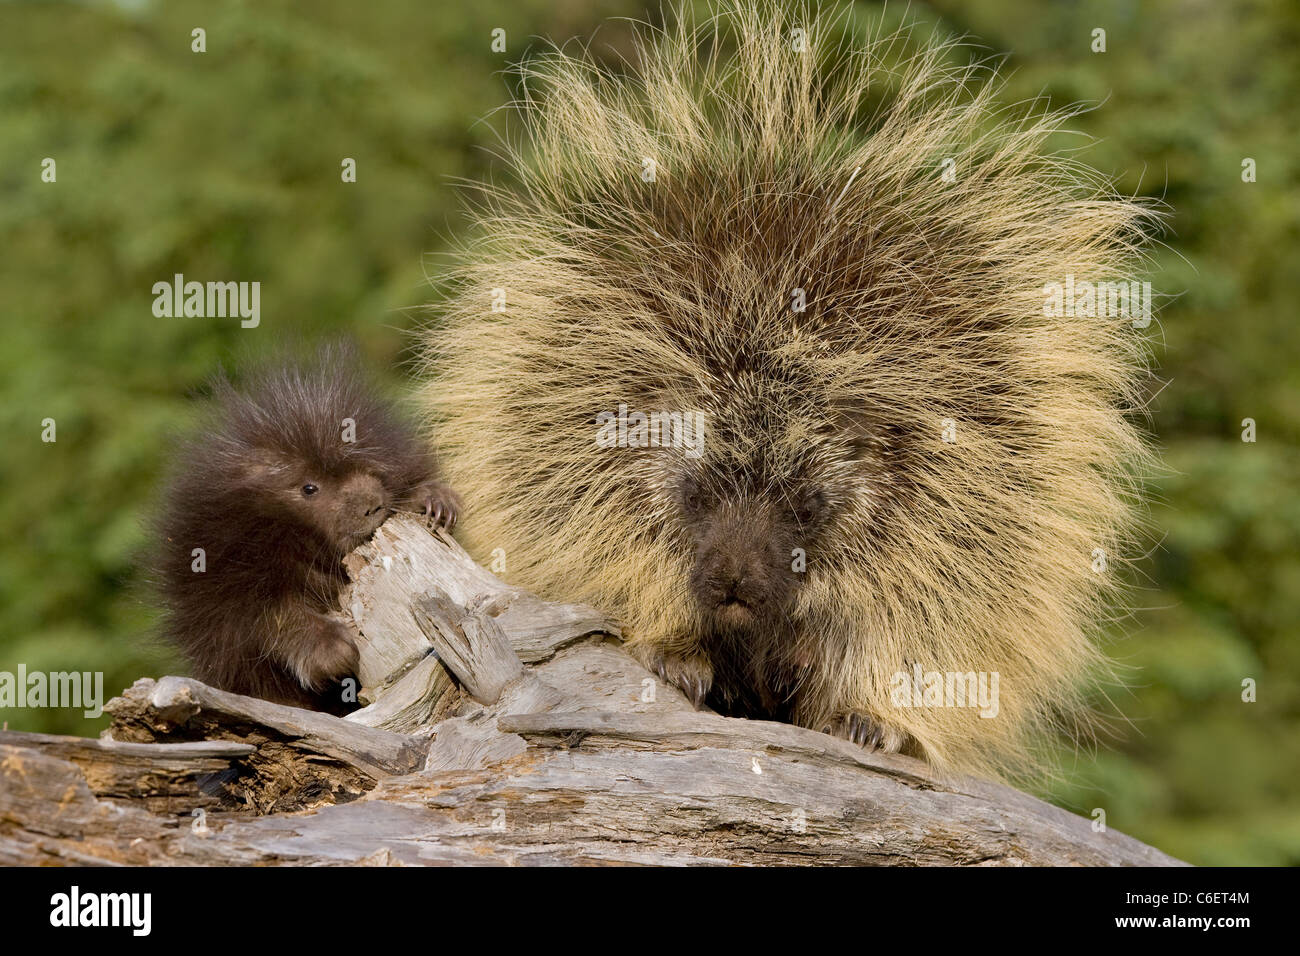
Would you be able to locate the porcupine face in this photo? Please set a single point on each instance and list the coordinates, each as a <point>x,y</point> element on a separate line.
<point>757,512</point>
<point>308,449</point>
<point>742,575</point>
<point>340,508</point>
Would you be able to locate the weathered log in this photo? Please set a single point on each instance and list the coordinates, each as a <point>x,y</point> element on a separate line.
<point>162,778</point>
<point>580,756</point>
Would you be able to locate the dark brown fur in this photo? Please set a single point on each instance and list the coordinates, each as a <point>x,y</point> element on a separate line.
<point>257,620</point>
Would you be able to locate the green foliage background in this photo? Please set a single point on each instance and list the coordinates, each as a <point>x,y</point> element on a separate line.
<point>225,165</point>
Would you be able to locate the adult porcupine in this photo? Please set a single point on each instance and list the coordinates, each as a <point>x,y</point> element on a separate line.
<point>910,465</point>
<point>290,473</point>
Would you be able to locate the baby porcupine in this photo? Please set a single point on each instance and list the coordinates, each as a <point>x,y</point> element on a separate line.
<point>290,472</point>
<point>909,465</point>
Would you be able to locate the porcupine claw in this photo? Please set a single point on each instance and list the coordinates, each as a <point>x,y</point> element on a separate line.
<point>692,674</point>
<point>438,503</point>
<point>866,732</point>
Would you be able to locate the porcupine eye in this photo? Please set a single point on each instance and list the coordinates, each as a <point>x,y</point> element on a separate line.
<point>308,490</point>
<point>810,508</point>
<point>692,500</point>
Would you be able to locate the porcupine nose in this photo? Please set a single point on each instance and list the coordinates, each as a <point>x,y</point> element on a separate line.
<point>730,576</point>
<point>730,569</point>
<point>731,579</point>
<point>365,497</point>
<point>739,568</point>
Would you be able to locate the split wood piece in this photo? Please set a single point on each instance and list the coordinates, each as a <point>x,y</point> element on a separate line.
<point>477,651</point>
<point>403,564</point>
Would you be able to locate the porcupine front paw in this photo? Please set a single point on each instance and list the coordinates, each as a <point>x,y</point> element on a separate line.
<point>866,731</point>
<point>436,501</point>
<point>331,657</point>
<point>692,674</point>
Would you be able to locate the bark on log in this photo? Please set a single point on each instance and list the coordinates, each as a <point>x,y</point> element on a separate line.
<point>502,729</point>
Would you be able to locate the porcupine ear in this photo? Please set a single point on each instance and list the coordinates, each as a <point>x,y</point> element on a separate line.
<point>262,467</point>
<point>867,435</point>
<point>856,427</point>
